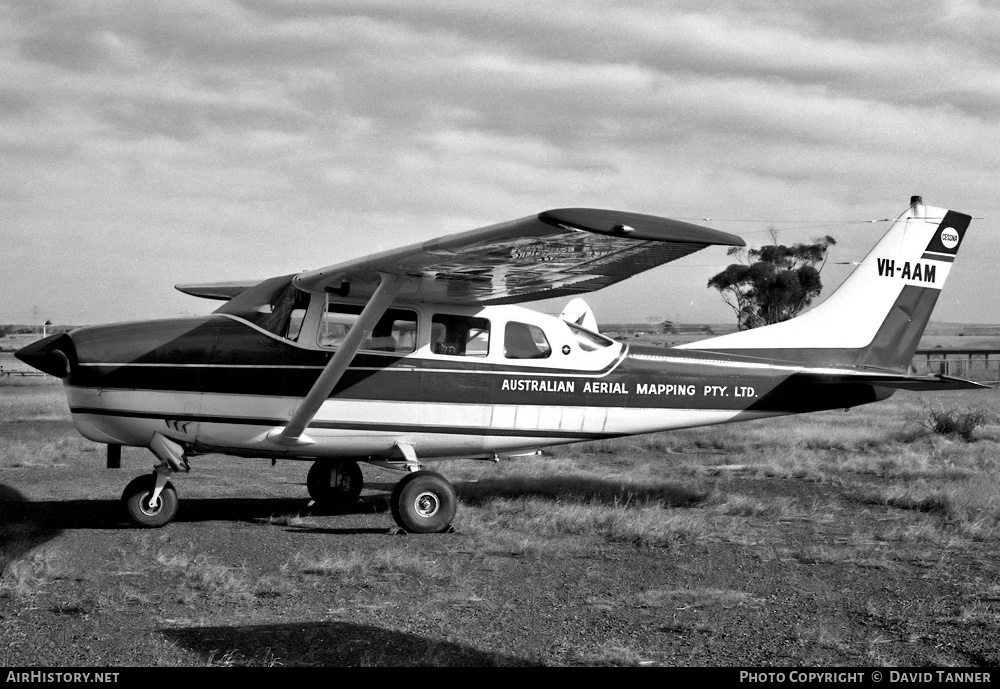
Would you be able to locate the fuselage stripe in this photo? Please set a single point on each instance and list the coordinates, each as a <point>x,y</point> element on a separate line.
<point>548,372</point>
<point>933,256</point>
<point>348,425</point>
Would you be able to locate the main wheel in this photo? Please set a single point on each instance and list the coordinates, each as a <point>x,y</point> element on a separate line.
<point>336,484</point>
<point>136,498</point>
<point>423,502</point>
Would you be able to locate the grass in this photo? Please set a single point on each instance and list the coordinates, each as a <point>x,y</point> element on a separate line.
<point>960,422</point>
<point>355,564</point>
<point>969,507</point>
<point>21,403</point>
<point>44,452</point>
<point>691,598</point>
<point>873,493</point>
<point>27,577</point>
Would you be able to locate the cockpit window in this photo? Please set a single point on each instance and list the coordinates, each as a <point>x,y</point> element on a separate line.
<point>396,331</point>
<point>525,341</point>
<point>589,341</point>
<point>274,305</point>
<point>460,335</point>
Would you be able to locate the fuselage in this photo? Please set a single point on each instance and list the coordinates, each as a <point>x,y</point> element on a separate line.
<point>519,380</point>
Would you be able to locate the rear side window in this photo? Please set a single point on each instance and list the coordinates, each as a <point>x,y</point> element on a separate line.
<point>395,332</point>
<point>460,335</point>
<point>525,341</point>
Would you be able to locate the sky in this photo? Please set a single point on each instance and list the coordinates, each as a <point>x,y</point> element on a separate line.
<point>145,144</point>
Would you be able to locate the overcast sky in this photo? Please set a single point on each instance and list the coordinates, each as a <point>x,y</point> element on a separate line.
<point>144,144</point>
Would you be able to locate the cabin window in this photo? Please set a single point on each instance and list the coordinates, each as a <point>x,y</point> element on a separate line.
<point>396,330</point>
<point>525,341</point>
<point>460,335</point>
<point>294,326</point>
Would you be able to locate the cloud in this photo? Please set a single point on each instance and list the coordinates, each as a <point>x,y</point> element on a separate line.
<point>163,142</point>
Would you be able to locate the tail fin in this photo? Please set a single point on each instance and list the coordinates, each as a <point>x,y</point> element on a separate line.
<point>876,317</point>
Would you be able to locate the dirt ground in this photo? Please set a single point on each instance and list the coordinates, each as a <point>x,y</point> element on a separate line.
<point>239,579</point>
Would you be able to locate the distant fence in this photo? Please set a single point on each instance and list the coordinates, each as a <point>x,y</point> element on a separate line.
<point>18,373</point>
<point>980,365</point>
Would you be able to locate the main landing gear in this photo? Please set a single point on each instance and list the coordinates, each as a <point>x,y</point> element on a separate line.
<point>335,485</point>
<point>422,501</point>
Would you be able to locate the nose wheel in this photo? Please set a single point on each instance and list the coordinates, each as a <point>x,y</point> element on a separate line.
<point>144,506</point>
<point>423,502</point>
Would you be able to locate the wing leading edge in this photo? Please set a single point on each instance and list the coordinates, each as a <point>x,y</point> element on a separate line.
<point>563,252</point>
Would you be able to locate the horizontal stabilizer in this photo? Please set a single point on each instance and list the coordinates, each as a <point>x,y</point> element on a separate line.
<point>223,291</point>
<point>931,383</point>
<point>900,381</point>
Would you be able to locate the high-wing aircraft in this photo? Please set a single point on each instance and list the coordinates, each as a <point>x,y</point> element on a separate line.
<point>421,353</point>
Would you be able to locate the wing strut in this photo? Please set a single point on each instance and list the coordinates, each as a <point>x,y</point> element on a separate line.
<point>292,434</point>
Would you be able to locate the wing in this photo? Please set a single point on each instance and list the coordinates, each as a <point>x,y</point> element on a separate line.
<point>556,253</point>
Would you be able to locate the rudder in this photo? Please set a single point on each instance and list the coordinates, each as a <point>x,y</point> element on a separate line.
<point>877,316</point>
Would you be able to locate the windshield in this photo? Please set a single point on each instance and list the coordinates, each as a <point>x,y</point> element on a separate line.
<point>589,341</point>
<point>274,305</point>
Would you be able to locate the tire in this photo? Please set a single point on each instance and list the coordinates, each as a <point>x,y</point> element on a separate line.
<point>424,502</point>
<point>335,485</point>
<point>136,497</point>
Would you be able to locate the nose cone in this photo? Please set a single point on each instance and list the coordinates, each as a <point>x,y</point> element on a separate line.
<point>54,355</point>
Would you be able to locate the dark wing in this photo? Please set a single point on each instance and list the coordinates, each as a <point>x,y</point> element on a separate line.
<point>564,252</point>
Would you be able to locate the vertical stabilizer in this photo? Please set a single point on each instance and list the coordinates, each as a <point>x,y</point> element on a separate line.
<point>877,316</point>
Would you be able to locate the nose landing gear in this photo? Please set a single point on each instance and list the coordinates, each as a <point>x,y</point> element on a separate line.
<point>146,506</point>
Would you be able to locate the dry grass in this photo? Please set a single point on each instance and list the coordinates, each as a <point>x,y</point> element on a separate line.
<point>42,452</point>
<point>630,491</point>
<point>361,565</point>
<point>32,403</point>
<point>27,577</point>
<point>683,599</point>
<point>202,574</point>
<point>868,493</point>
<point>969,507</point>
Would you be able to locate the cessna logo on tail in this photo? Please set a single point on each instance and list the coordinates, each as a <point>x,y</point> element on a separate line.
<point>921,272</point>
<point>949,238</point>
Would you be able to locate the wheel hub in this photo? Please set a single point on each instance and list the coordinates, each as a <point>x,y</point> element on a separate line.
<point>426,504</point>
<point>150,505</point>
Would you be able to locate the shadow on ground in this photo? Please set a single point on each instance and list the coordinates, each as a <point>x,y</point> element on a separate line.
<point>20,531</point>
<point>329,643</point>
<point>36,521</point>
<point>26,524</point>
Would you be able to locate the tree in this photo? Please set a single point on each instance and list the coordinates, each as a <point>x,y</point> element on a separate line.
<point>773,283</point>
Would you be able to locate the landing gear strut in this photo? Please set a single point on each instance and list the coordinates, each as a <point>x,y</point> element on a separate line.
<point>150,501</point>
<point>335,484</point>
<point>144,507</point>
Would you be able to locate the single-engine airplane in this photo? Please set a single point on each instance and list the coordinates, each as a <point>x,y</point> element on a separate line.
<point>421,353</point>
